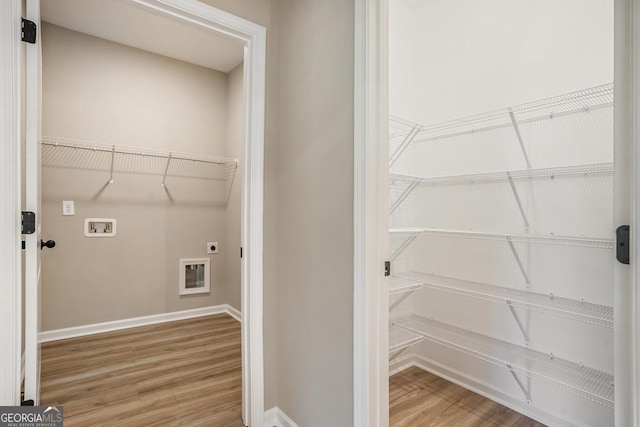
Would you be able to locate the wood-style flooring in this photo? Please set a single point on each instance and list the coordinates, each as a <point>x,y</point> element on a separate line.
<point>183,373</point>
<point>420,399</point>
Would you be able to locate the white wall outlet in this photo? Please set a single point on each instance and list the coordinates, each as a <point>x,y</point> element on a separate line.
<point>68,207</point>
<point>212,247</point>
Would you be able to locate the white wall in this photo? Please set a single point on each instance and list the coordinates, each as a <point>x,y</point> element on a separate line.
<point>453,59</point>
<point>105,92</point>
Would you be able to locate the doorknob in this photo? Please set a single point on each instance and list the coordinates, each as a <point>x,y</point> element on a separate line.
<point>49,244</point>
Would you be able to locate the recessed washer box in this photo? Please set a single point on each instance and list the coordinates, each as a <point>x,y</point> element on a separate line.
<point>99,227</point>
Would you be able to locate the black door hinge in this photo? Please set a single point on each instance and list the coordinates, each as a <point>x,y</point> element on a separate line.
<point>387,268</point>
<point>240,251</point>
<point>29,30</point>
<point>28,222</point>
<point>622,244</point>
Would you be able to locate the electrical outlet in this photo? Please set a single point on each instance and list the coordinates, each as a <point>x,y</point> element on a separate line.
<point>212,247</point>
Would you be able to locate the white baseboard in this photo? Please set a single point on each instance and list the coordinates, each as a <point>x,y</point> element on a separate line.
<point>115,325</point>
<point>477,386</point>
<point>231,311</point>
<point>275,417</point>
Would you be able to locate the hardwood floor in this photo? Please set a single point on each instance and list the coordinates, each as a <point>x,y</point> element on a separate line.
<point>183,373</point>
<point>420,399</point>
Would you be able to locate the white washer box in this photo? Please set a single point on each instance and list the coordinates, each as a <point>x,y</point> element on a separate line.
<point>99,227</point>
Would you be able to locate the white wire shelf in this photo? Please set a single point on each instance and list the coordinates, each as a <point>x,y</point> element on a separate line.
<point>582,311</point>
<point>570,103</point>
<point>400,339</point>
<point>53,141</point>
<point>399,285</point>
<point>577,170</point>
<point>587,382</point>
<point>588,242</point>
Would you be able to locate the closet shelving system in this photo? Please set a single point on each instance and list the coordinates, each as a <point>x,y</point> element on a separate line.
<point>51,142</point>
<point>521,361</point>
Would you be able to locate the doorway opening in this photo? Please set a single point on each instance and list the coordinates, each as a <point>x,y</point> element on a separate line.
<point>151,154</point>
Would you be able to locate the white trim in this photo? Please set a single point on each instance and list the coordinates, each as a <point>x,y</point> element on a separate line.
<point>370,357</point>
<point>627,210</point>
<point>275,417</point>
<point>134,322</point>
<point>10,268</point>
<point>480,387</point>
<point>233,312</point>
<point>254,38</point>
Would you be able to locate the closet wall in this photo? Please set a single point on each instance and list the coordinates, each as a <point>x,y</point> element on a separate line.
<point>105,92</point>
<point>456,59</point>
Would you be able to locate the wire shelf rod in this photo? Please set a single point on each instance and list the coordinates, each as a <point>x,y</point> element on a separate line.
<point>589,242</point>
<point>552,172</point>
<point>488,128</point>
<point>118,149</point>
<point>579,310</point>
<point>583,100</point>
<point>584,381</point>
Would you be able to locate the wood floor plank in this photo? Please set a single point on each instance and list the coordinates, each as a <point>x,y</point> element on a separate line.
<point>186,372</point>
<point>420,399</point>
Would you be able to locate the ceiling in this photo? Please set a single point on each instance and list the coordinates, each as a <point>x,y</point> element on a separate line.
<point>121,22</point>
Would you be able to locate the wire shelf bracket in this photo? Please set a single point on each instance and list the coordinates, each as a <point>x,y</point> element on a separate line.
<point>166,169</point>
<point>527,281</point>
<point>514,190</point>
<point>522,328</point>
<point>403,196</point>
<point>514,122</point>
<point>404,144</point>
<point>525,390</point>
<point>113,155</point>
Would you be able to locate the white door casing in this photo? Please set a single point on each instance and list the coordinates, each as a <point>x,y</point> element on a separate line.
<point>32,204</point>
<point>10,188</point>
<point>253,36</point>
<point>371,63</point>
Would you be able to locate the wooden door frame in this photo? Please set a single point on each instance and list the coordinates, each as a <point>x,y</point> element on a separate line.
<point>370,250</point>
<point>195,13</point>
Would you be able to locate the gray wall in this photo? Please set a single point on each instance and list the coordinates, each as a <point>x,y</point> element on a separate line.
<point>315,211</point>
<point>102,91</point>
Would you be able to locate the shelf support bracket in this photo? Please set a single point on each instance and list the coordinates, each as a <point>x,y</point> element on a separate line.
<point>397,353</point>
<point>514,190</point>
<point>525,390</point>
<point>403,246</point>
<point>404,144</point>
<point>519,261</point>
<point>404,195</point>
<point>113,155</point>
<point>402,298</point>
<point>166,169</point>
<point>514,122</point>
<point>518,321</point>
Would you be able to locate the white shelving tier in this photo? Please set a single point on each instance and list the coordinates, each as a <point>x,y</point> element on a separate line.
<point>587,382</point>
<point>404,132</point>
<point>524,363</point>
<point>411,233</point>
<point>53,143</point>
<point>582,311</point>
<point>400,339</point>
